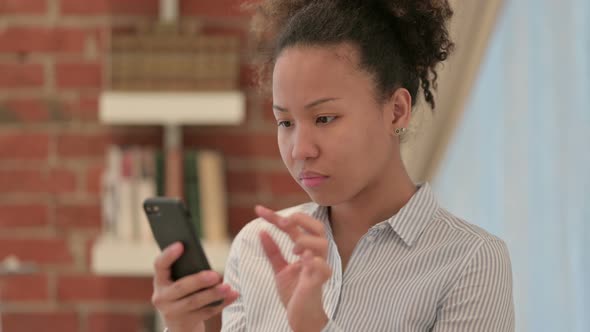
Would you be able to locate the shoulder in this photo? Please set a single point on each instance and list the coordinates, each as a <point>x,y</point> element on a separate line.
<point>475,254</point>
<point>461,230</point>
<point>466,243</point>
<point>475,244</point>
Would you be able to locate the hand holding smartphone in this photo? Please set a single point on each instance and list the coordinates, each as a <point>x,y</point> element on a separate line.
<point>170,222</point>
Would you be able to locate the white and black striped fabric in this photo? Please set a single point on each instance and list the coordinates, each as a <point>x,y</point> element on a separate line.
<point>423,269</point>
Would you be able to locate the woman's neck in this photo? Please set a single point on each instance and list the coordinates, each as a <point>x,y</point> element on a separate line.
<point>377,202</point>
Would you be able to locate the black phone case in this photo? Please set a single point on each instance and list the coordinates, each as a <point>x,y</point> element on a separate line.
<point>170,222</point>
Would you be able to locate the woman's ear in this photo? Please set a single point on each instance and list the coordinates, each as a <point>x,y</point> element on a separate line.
<point>399,108</point>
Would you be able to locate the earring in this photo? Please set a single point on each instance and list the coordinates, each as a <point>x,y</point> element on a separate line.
<point>399,131</point>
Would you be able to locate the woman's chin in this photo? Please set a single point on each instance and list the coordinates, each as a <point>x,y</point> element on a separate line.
<point>323,199</point>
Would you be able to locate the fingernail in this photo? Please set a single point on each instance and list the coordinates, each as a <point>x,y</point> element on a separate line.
<point>211,276</point>
<point>283,221</point>
<point>224,289</point>
<point>174,247</point>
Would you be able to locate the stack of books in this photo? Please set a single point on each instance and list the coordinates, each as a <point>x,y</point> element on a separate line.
<point>134,173</point>
<point>174,62</point>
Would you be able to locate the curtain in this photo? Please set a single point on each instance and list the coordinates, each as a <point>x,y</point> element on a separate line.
<point>519,162</point>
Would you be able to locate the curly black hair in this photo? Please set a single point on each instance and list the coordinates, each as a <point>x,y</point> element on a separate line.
<point>401,42</point>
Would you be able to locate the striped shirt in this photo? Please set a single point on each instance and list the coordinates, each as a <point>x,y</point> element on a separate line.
<point>423,269</point>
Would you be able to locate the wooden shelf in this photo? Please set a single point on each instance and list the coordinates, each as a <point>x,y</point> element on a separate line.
<point>172,108</point>
<point>118,258</point>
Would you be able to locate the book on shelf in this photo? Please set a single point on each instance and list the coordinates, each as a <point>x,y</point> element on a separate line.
<point>173,61</point>
<point>135,173</point>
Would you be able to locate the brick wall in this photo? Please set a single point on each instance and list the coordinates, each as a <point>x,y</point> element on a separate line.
<point>52,56</point>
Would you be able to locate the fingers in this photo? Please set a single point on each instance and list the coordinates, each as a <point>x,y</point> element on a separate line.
<point>191,295</point>
<point>305,231</point>
<point>315,269</point>
<point>318,245</point>
<point>275,219</point>
<point>307,223</point>
<point>294,225</point>
<point>202,299</point>
<point>272,252</point>
<point>198,303</point>
<point>163,263</point>
<point>190,284</point>
<point>209,311</point>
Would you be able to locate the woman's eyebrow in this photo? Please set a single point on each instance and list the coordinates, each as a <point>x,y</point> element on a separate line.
<point>310,105</point>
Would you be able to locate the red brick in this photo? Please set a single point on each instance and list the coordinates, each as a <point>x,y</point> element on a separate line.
<point>76,288</point>
<point>18,146</point>
<point>36,181</point>
<point>21,75</point>
<point>240,31</point>
<point>77,7</point>
<point>103,35</point>
<point>283,183</point>
<point>140,135</point>
<point>40,321</point>
<point>82,145</point>
<point>78,216</point>
<point>239,217</point>
<point>78,75</point>
<point>248,76</point>
<point>23,215</point>
<point>114,322</point>
<point>24,288</point>
<point>35,39</point>
<point>267,113</point>
<point>98,7</point>
<point>89,246</point>
<point>239,145</point>
<point>240,182</point>
<point>61,181</point>
<point>135,7</point>
<point>11,7</point>
<point>94,179</point>
<point>219,8</point>
<point>84,109</point>
<point>28,110</point>
<point>42,251</point>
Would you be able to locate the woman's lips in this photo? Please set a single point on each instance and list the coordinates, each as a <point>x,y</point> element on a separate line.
<point>313,181</point>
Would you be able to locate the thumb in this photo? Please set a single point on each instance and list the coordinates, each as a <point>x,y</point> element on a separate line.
<point>316,270</point>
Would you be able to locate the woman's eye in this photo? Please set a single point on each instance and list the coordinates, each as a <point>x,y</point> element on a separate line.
<point>285,124</point>
<point>325,119</point>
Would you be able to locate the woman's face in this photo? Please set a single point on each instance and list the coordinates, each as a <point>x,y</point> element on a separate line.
<point>334,136</point>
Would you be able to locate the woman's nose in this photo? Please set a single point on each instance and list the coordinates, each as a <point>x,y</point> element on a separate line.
<point>304,146</point>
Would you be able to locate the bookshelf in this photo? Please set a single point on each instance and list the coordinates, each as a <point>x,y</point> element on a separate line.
<point>111,256</point>
<point>169,78</point>
<point>172,108</point>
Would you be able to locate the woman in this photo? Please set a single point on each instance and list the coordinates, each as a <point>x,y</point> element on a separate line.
<point>373,252</point>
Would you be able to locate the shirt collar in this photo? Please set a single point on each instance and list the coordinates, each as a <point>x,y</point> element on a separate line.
<point>409,222</point>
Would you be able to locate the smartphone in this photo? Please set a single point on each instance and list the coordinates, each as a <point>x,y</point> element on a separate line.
<point>170,221</point>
